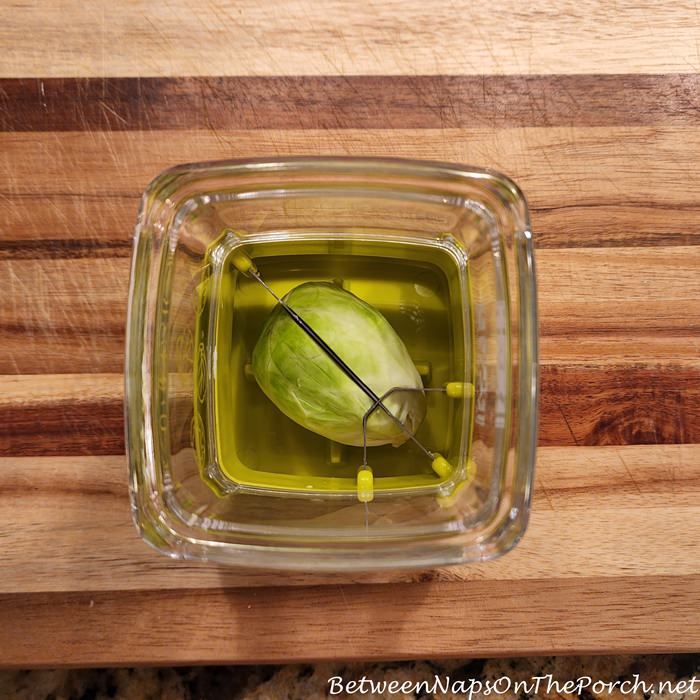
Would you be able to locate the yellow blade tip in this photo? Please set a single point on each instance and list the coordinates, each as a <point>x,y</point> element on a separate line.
<point>459,390</point>
<point>243,263</point>
<point>365,485</point>
<point>441,466</point>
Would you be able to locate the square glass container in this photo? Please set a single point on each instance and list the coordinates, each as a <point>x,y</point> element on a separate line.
<point>218,473</point>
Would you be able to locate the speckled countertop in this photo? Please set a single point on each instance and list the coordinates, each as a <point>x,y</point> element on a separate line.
<point>308,682</point>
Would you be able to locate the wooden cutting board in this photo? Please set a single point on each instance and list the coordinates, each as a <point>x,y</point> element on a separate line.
<point>594,109</point>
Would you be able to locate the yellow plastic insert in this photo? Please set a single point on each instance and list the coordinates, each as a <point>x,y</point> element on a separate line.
<point>255,445</point>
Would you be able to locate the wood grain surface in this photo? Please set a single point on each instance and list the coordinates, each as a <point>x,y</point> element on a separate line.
<point>592,107</point>
<point>338,37</point>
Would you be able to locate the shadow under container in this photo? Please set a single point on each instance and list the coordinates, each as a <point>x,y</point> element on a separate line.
<point>218,473</point>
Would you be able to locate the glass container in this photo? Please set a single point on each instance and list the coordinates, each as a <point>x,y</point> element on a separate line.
<point>219,473</point>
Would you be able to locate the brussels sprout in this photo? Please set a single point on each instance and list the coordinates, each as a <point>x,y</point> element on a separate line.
<point>309,387</point>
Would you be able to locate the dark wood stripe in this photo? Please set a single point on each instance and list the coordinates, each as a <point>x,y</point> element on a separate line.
<point>620,405</point>
<point>65,427</point>
<point>56,248</point>
<point>580,405</point>
<point>361,102</point>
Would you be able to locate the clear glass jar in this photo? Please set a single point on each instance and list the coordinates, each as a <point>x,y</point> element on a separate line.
<point>218,473</point>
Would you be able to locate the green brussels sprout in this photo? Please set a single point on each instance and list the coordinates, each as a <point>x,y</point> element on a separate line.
<point>306,384</point>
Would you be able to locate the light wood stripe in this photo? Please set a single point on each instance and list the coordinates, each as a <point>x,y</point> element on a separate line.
<point>67,316</point>
<point>556,167</point>
<point>601,512</point>
<point>300,37</point>
<point>59,226</point>
<point>48,389</point>
<point>63,316</point>
<point>64,226</point>
<point>428,620</point>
